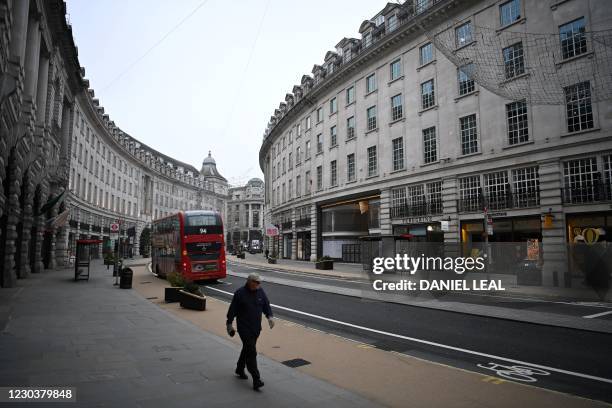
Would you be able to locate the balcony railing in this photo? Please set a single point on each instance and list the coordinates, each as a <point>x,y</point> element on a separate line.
<point>417,210</point>
<point>502,201</point>
<point>286,225</point>
<point>587,193</point>
<point>302,223</point>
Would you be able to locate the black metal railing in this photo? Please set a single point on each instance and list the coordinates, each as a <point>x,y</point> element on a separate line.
<point>416,210</point>
<point>302,223</point>
<point>587,193</point>
<point>500,201</point>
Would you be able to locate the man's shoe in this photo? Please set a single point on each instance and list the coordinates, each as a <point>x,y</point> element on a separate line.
<point>257,384</point>
<point>241,374</point>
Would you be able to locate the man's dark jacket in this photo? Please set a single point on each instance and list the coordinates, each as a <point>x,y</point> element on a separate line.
<point>247,306</point>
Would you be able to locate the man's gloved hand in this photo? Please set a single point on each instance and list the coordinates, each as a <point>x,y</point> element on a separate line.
<point>230,330</point>
<point>271,322</point>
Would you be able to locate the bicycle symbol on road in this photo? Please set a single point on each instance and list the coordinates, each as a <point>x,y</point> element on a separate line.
<point>515,372</point>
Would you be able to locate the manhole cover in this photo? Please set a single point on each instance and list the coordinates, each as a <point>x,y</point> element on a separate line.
<point>296,362</point>
<point>165,359</point>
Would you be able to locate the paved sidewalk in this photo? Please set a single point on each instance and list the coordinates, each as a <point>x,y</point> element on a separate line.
<point>120,350</point>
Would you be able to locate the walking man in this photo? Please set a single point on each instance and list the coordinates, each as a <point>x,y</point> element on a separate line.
<point>248,304</point>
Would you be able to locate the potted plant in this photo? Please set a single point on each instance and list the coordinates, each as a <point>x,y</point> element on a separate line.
<point>192,297</point>
<point>325,263</point>
<point>176,282</point>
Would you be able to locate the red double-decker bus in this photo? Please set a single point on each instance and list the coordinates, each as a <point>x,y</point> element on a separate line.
<point>190,243</point>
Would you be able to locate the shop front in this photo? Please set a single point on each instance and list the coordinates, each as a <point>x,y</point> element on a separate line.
<point>303,245</point>
<point>589,228</point>
<point>344,222</point>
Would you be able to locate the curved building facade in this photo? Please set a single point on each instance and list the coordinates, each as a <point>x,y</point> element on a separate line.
<point>388,137</point>
<point>67,170</point>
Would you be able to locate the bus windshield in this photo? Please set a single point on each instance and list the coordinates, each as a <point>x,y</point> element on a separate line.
<point>200,224</point>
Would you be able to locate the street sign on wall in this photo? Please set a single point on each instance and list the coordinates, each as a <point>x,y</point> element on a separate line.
<point>271,230</point>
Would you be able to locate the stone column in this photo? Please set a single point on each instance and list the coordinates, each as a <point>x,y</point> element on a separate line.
<point>52,231</point>
<point>32,58</point>
<point>450,195</point>
<point>13,214</point>
<point>554,243</point>
<point>26,230</point>
<point>61,247</point>
<point>19,30</point>
<point>313,232</point>
<point>385,212</point>
<point>293,236</point>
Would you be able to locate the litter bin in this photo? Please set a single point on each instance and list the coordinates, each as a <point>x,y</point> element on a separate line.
<point>125,278</point>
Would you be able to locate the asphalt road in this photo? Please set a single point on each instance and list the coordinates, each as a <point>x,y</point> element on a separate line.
<point>567,360</point>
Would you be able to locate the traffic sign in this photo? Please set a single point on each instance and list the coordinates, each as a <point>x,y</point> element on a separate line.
<point>114,231</point>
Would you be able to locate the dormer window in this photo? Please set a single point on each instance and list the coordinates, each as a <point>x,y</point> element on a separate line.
<point>392,22</point>
<point>367,39</point>
<point>380,20</point>
<point>330,69</point>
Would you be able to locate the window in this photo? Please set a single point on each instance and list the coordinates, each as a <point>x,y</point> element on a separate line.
<point>307,182</point>
<point>290,190</point>
<point>581,180</point>
<point>284,165</point>
<point>465,78</point>
<point>350,128</point>
<point>398,153</point>
<point>298,155</point>
<point>428,98</point>
<point>396,69</point>
<point>319,177</point>
<point>319,143</point>
<point>333,173</point>
<point>367,40</point>
<point>350,167</point>
<point>434,197</point>
<point>469,134</point>
<point>370,83</point>
<point>290,160</point>
<point>573,38</point>
<point>333,106</point>
<point>392,23</point>
<point>496,190</point>
<point>430,148</point>
<point>469,193</point>
<point>578,107</point>
<point>509,12</point>
<point>308,124</point>
<point>350,95</point>
<point>463,34</point>
<point>307,152</point>
<point>426,54</point>
<point>298,130</point>
<point>372,162</point>
<point>396,108</point>
<point>319,115</point>
<point>298,186</point>
<point>371,116</point>
<point>514,63</point>
<point>398,201</point>
<point>516,115</point>
<point>526,186</point>
<point>333,137</point>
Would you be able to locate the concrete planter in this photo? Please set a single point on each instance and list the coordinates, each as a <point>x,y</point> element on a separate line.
<point>172,294</point>
<point>324,265</point>
<point>191,301</point>
<point>241,255</point>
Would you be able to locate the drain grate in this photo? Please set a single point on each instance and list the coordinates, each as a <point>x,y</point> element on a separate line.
<point>296,362</point>
<point>152,297</point>
<point>145,282</point>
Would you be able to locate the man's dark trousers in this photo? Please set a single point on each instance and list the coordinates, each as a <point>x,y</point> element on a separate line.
<point>248,354</point>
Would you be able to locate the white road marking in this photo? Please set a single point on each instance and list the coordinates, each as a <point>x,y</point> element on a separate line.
<point>431,343</point>
<point>598,315</point>
<point>308,275</point>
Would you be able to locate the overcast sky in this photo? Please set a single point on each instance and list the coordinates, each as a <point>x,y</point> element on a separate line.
<point>197,91</point>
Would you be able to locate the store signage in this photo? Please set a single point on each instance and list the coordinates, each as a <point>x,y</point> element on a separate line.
<point>498,214</point>
<point>445,225</point>
<point>271,231</point>
<point>417,220</point>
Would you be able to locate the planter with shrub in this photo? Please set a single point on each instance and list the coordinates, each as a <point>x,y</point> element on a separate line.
<point>325,263</point>
<point>191,297</point>
<point>176,282</point>
<point>271,260</point>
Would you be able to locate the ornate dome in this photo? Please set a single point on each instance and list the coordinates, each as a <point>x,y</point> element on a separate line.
<point>209,168</point>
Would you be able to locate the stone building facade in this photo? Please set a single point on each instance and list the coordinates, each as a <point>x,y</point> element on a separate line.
<point>388,137</point>
<point>245,213</point>
<point>61,154</point>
